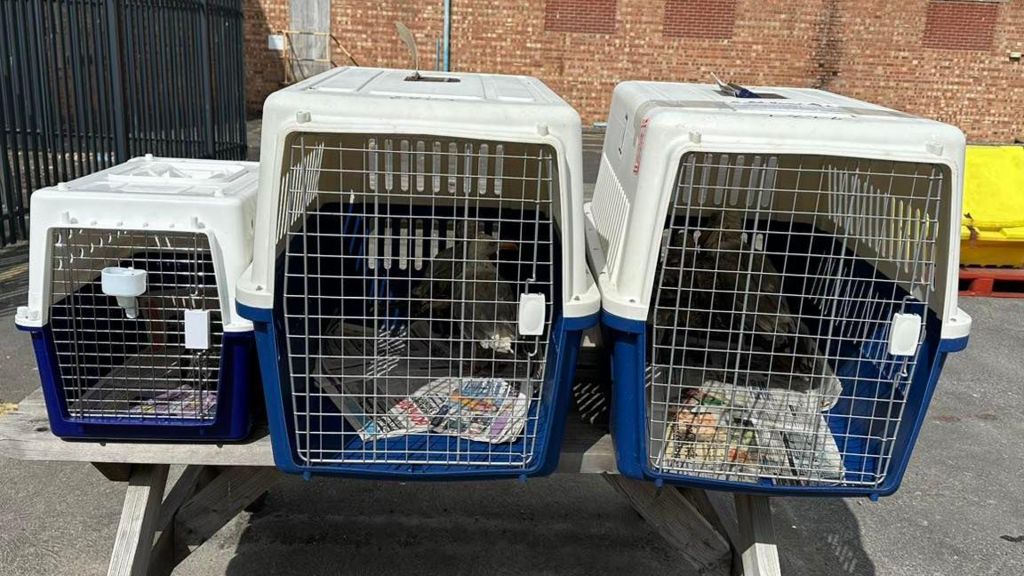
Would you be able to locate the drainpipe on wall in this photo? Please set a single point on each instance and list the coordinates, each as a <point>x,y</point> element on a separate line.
<point>447,34</point>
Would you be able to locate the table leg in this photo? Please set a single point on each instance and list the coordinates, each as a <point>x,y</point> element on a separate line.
<point>135,532</point>
<point>670,514</point>
<point>756,543</point>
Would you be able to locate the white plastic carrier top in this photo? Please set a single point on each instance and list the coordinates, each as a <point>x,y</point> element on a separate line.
<point>458,105</point>
<point>150,194</point>
<point>651,125</point>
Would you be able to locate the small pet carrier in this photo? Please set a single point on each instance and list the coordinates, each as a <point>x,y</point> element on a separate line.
<point>131,290</point>
<point>779,283</point>
<point>419,285</point>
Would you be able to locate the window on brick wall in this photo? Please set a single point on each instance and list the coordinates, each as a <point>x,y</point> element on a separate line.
<point>713,19</point>
<point>961,24</point>
<point>586,16</point>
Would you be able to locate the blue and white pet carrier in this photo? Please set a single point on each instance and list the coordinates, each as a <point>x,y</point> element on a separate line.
<point>779,285</point>
<point>131,301</point>
<point>419,284</point>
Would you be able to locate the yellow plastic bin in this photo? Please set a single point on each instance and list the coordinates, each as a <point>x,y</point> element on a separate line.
<point>992,228</point>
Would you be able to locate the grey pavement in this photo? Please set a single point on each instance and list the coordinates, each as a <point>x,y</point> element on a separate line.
<point>960,510</point>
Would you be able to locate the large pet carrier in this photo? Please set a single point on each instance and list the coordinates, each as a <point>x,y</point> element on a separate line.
<point>778,275</point>
<point>419,284</point>
<point>131,300</point>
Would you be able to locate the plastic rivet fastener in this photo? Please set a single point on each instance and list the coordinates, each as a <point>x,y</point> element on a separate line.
<point>695,137</point>
<point>149,157</point>
<point>542,129</point>
<point>302,116</point>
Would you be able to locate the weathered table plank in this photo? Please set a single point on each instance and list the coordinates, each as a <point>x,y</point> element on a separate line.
<point>25,435</point>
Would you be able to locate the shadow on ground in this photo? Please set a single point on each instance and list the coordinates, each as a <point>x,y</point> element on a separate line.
<point>565,525</point>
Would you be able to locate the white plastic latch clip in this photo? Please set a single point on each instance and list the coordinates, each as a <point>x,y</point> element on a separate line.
<point>904,334</point>
<point>197,329</point>
<point>125,284</point>
<point>532,314</point>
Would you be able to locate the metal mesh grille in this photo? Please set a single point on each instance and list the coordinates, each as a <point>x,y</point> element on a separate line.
<point>119,367</point>
<point>778,283</point>
<point>403,271</point>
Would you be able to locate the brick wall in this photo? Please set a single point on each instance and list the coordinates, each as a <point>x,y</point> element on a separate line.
<point>947,59</point>
<point>264,68</point>
<point>700,19</point>
<point>593,17</point>
<point>885,57</point>
<point>960,25</point>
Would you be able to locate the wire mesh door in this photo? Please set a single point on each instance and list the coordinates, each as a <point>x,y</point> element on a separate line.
<point>115,366</point>
<point>781,279</point>
<point>407,262</point>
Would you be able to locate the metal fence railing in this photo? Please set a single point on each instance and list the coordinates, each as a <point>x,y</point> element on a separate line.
<point>85,84</point>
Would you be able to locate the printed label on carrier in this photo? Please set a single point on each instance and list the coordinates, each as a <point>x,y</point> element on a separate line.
<point>641,135</point>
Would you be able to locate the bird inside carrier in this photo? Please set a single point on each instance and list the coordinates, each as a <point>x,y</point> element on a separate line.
<point>131,285</point>
<point>789,308</point>
<point>420,283</point>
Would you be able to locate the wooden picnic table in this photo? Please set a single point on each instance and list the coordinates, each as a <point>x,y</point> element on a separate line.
<point>159,528</point>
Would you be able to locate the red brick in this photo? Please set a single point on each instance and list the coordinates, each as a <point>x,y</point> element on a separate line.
<point>711,19</point>
<point>960,25</point>
<point>587,16</point>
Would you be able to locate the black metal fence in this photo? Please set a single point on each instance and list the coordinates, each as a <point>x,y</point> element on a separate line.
<point>85,84</point>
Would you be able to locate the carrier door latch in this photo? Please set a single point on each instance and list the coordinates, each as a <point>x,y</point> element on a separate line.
<point>531,314</point>
<point>904,334</point>
<point>197,329</point>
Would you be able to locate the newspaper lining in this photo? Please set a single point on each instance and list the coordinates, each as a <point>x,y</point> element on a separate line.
<point>136,385</point>
<point>373,395</point>
<point>182,402</point>
<point>744,434</point>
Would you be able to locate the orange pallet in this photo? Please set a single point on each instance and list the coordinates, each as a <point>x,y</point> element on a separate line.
<point>992,282</point>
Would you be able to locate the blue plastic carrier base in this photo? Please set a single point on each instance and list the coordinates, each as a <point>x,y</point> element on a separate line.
<point>237,396</point>
<point>628,340</point>
<point>546,425</point>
